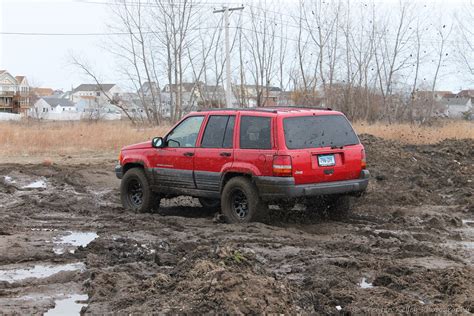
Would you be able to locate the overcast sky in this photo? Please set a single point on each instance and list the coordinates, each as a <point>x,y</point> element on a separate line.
<point>45,59</point>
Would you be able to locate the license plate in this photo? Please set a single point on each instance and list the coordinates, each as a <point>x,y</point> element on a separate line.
<point>326,160</point>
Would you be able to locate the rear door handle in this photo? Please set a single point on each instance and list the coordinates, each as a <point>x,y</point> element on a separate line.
<point>225,154</point>
<point>188,154</point>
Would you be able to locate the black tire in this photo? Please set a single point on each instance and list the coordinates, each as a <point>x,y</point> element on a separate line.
<point>338,207</point>
<point>135,192</point>
<point>210,203</point>
<point>241,203</point>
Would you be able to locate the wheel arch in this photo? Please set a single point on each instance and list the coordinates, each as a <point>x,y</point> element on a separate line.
<point>232,174</point>
<point>134,164</point>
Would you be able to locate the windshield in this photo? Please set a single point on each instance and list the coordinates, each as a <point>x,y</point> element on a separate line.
<point>318,131</point>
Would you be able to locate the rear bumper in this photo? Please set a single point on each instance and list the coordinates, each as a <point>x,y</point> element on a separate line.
<point>119,171</point>
<point>274,188</point>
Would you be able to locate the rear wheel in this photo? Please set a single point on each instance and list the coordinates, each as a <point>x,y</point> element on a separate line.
<point>210,203</point>
<point>241,203</point>
<point>135,192</point>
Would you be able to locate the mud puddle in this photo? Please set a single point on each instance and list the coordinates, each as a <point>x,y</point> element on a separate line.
<point>12,274</point>
<point>72,240</point>
<point>71,305</point>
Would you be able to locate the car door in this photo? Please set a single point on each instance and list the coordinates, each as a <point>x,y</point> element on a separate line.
<point>215,152</point>
<point>173,164</point>
<point>256,147</point>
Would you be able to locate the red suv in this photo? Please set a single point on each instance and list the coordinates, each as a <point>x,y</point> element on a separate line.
<point>241,159</point>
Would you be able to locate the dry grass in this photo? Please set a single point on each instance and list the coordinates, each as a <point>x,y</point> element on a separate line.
<point>58,138</point>
<point>419,134</point>
<point>55,138</point>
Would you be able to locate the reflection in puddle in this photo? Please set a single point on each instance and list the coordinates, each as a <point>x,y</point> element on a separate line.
<point>68,306</point>
<point>38,271</point>
<point>75,239</point>
<point>40,184</point>
<point>365,285</point>
<point>467,244</point>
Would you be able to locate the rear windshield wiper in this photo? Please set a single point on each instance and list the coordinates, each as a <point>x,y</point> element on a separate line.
<point>337,147</point>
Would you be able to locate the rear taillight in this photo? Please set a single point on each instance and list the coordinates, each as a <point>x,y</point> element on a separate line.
<point>282,166</point>
<point>363,162</point>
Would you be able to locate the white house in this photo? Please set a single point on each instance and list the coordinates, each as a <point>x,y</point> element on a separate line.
<point>457,107</point>
<point>99,93</point>
<point>53,108</point>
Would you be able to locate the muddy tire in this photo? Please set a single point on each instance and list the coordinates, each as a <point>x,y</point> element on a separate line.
<point>241,203</point>
<point>210,203</point>
<point>135,192</point>
<point>338,207</point>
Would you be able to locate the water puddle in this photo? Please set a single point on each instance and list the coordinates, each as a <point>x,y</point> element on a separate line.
<point>73,240</point>
<point>468,222</point>
<point>38,271</point>
<point>8,180</point>
<point>68,306</point>
<point>365,285</point>
<point>39,184</point>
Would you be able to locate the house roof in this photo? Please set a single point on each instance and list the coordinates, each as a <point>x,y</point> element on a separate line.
<point>466,93</point>
<point>19,78</point>
<point>54,101</point>
<point>94,87</point>
<point>186,86</point>
<point>455,101</point>
<point>42,92</point>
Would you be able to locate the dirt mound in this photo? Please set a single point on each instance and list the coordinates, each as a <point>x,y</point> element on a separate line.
<point>439,174</point>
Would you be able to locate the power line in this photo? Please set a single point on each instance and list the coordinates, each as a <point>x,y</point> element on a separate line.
<point>90,34</point>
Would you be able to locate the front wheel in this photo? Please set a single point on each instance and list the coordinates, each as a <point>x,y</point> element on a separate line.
<point>240,201</point>
<point>135,192</point>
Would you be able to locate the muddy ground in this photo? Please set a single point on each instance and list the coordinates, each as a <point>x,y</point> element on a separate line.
<point>406,247</point>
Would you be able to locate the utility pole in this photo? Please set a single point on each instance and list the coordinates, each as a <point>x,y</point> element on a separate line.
<point>228,90</point>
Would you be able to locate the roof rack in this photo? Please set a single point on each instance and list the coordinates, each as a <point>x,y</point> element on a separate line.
<point>265,109</point>
<point>304,107</point>
<point>257,109</point>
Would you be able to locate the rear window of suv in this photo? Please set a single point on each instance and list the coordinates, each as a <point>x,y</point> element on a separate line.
<point>318,131</point>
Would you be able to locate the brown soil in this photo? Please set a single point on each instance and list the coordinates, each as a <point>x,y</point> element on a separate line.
<point>409,236</point>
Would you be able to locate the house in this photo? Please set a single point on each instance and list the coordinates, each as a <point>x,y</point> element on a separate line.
<point>194,95</point>
<point>466,93</point>
<point>42,92</point>
<point>427,95</point>
<point>54,108</point>
<point>457,107</point>
<point>253,95</point>
<point>14,93</point>
<point>96,93</point>
<point>149,89</point>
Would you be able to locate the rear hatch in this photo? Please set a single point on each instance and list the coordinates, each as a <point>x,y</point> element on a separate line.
<point>323,148</point>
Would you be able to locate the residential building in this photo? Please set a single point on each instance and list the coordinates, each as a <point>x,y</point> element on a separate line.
<point>53,108</point>
<point>14,93</point>
<point>253,95</point>
<point>102,93</point>
<point>42,92</point>
<point>458,107</point>
<point>427,95</point>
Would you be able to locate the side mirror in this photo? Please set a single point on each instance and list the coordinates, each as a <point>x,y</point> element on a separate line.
<point>157,142</point>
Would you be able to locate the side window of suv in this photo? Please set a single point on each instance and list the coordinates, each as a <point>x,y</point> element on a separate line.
<point>186,133</point>
<point>255,132</point>
<point>218,132</point>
